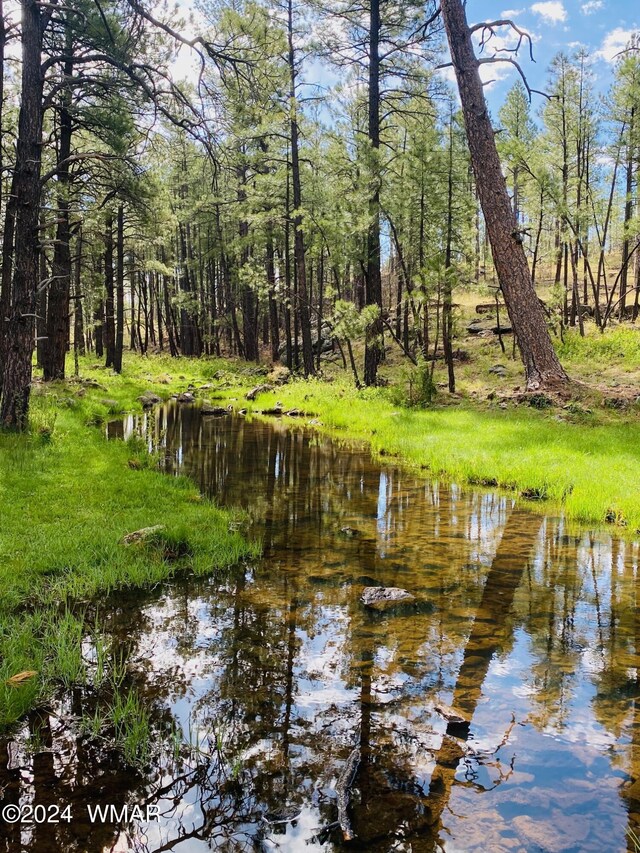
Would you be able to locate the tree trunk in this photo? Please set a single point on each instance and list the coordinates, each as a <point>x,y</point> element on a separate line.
<point>541,364</point>
<point>17,367</point>
<point>447,314</point>
<point>119,336</point>
<point>109,304</point>
<point>302,301</point>
<point>274,330</point>
<point>78,322</point>
<point>374,341</point>
<point>55,349</point>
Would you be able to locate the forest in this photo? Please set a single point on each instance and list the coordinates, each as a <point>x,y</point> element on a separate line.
<point>319,427</point>
<point>255,213</point>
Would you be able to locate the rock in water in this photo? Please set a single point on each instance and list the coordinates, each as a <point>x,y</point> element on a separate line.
<point>452,715</point>
<point>149,399</point>
<point>217,411</point>
<point>382,597</point>
<point>186,397</point>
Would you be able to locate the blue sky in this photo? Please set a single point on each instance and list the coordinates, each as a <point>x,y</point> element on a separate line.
<point>602,26</point>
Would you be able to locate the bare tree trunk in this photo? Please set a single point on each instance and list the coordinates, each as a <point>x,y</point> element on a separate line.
<point>55,346</point>
<point>119,336</point>
<point>302,300</point>
<point>541,364</point>
<point>17,367</point>
<point>447,318</point>
<point>374,340</point>
<point>78,322</point>
<point>109,304</point>
<point>274,332</point>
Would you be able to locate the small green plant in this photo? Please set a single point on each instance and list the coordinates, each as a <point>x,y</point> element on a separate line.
<point>132,727</point>
<point>417,389</point>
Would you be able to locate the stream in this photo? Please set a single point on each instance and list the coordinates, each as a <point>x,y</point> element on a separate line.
<point>262,680</point>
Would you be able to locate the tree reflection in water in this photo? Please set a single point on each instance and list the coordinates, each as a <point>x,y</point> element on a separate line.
<point>273,672</point>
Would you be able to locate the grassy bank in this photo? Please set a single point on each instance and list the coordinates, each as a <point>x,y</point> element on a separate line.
<point>591,470</point>
<point>68,498</point>
<point>583,458</point>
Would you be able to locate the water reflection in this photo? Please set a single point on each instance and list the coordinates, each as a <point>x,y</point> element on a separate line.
<point>274,672</point>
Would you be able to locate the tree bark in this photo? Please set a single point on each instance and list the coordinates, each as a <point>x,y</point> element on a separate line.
<point>373,293</point>
<point>109,303</point>
<point>17,368</point>
<point>119,330</point>
<point>55,348</point>
<point>302,301</point>
<point>541,364</point>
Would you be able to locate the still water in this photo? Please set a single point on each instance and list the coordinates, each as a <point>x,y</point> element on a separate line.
<point>263,680</point>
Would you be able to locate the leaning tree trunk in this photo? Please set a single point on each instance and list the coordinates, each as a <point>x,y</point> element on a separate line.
<point>19,343</point>
<point>541,364</point>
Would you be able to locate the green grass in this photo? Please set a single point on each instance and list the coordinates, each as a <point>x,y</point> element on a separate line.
<point>619,345</point>
<point>68,497</point>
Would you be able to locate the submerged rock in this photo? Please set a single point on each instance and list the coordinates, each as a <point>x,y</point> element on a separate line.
<point>383,597</point>
<point>141,535</point>
<point>452,715</point>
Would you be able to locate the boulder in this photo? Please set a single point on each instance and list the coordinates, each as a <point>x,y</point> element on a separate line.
<point>141,535</point>
<point>185,397</point>
<point>279,375</point>
<point>498,370</point>
<point>488,308</point>
<point>384,597</point>
<point>149,399</point>
<point>259,389</point>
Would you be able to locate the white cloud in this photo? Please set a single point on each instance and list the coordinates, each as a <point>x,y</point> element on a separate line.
<point>591,6</point>
<point>552,11</point>
<point>614,42</point>
<point>511,13</point>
